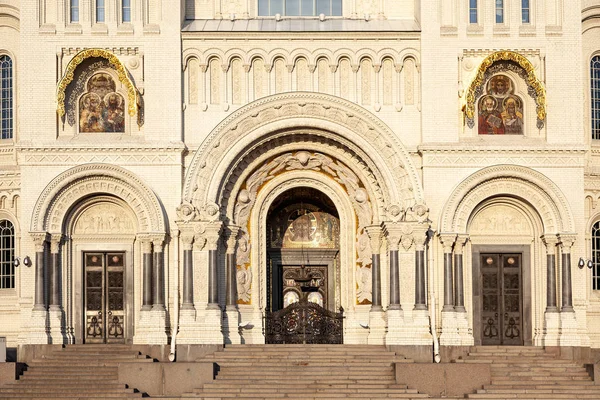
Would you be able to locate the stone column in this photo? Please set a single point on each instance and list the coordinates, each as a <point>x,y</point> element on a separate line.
<point>459,293</point>
<point>447,241</point>
<point>551,315</point>
<point>146,246</point>
<point>420,295</point>
<point>188,272</point>
<point>566,242</point>
<point>231,318</point>
<point>550,243</point>
<point>158,290</point>
<point>393,238</point>
<point>54,297</point>
<point>375,235</point>
<point>38,332</point>
<point>213,234</point>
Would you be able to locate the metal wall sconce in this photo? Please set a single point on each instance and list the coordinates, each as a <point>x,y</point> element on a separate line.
<point>582,263</point>
<point>26,261</point>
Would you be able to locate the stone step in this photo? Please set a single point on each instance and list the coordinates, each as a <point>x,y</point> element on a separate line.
<point>546,385</point>
<point>303,384</point>
<point>64,389</point>
<point>536,396</point>
<point>79,396</point>
<point>542,391</point>
<point>245,380</point>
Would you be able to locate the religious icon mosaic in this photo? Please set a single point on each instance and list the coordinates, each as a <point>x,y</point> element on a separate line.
<point>500,111</point>
<point>101,108</point>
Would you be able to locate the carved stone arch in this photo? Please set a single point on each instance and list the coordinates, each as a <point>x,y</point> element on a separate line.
<point>298,54</point>
<point>343,53</point>
<point>366,55</point>
<point>189,54</point>
<point>255,54</point>
<point>410,53</point>
<point>10,17</point>
<point>75,184</point>
<point>188,59</point>
<point>8,215</point>
<point>524,183</point>
<point>232,55</point>
<point>119,68</point>
<point>321,53</point>
<point>387,53</point>
<point>276,55</point>
<point>343,119</point>
<point>527,70</point>
<point>119,218</point>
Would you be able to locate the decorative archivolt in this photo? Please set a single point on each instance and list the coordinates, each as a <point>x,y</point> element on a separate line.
<point>535,86</point>
<point>523,183</point>
<point>340,118</point>
<point>122,73</point>
<point>80,182</point>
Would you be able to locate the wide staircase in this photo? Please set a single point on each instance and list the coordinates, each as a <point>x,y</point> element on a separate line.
<point>531,373</point>
<point>75,372</point>
<point>305,372</point>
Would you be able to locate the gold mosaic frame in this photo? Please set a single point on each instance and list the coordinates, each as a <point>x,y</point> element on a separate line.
<point>122,73</point>
<point>532,81</point>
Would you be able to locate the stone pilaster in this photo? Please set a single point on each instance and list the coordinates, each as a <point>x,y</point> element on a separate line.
<point>449,335</point>
<point>146,246</point>
<point>568,322</point>
<point>421,323</point>
<point>462,322</point>
<point>551,315</point>
<point>212,317</point>
<point>55,310</point>
<point>231,316</point>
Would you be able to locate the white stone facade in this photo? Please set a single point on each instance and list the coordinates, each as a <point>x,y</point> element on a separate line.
<point>224,112</point>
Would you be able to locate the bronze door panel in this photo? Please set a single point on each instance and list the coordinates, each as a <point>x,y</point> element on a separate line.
<point>104,297</point>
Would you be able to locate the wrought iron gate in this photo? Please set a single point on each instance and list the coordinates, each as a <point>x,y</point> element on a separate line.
<point>304,322</point>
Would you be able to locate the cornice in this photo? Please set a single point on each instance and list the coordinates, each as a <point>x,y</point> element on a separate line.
<point>350,36</point>
<point>468,148</point>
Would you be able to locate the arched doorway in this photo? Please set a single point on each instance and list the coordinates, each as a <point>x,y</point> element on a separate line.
<point>303,250</point>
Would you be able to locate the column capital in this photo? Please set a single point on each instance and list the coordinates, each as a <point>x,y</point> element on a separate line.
<point>187,238</point>
<point>375,233</point>
<point>146,246</point>
<point>394,235</point>
<point>213,234</point>
<point>231,235</point>
<point>420,235</point>
<point>461,242</point>
<point>447,240</point>
<point>38,240</point>
<point>55,242</point>
<point>158,243</point>
<point>566,241</point>
<point>550,241</point>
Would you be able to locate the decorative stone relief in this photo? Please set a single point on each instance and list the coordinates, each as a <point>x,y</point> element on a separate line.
<point>345,82</point>
<point>279,75</point>
<point>499,220</point>
<point>104,218</point>
<point>366,69</point>
<point>409,81</point>
<point>364,285</point>
<point>244,284</point>
<point>302,76</point>
<point>258,73</point>
<point>193,71</point>
<point>388,85</point>
<point>236,81</point>
<point>323,75</point>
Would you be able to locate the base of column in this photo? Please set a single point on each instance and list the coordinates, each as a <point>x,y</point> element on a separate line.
<point>450,335</point>
<point>151,328</point>
<point>568,331</point>
<point>551,328</point>
<point>420,328</point>
<point>38,333</point>
<point>377,325</point>
<point>356,326</point>
<point>401,330</point>
<point>231,321</point>
<point>57,329</point>
<point>251,322</point>
<point>462,323</point>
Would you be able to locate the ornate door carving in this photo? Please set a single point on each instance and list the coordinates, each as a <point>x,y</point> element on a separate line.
<point>104,297</point>
<point>502,315</point>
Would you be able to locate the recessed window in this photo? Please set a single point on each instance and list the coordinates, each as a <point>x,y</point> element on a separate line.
<point>100,11</point>
<point>499,11</point>
<point>6,96</point>
<point>596,256</point>
<point>126,9</point>
<point>525,10</point>
<point>595,96</point>
<point>472,11</point>
<point>300,8</point>
<point>7,255</point>
<point>74,8</point>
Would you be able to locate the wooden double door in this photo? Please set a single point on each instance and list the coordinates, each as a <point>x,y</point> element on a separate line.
<point>104,297</point>
<point>501,281</point>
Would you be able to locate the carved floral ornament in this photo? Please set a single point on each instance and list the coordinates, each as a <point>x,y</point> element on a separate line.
<point>535,86</point>
<point>123,74</point>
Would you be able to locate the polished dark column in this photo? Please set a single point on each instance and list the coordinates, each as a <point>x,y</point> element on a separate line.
<point>231,293</point>
<point>146,246</point>
<point>158,295</point>
<point>375,233</point>
<point>550,243</point>
<point>40,244</point>
<point>55,271</point>
<point>213,234</point>
<point>459,294</point>
<point>447,241</point>
<point>188,273</point>
<point>420,295</point>
<point>566,242</point>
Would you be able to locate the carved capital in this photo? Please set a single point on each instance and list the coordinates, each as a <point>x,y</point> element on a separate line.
<point>290,68</point>
<point>187,238</point>
<point>158,244</point>
<point>231,235</point>
<point>199,242</point>
<point>550,242</point>
<point>394,235</point>
<point>355,68</point>
<point>247,67</point>
<point>225,67</point>
<point>203,68</point>
<point>333,68</point>
<point>55,242</point>
<point>566,241</point>
<point>377,67</point>
<point>398,67</point>
<point>38,240</point>
<point>213,234</point>
<point>420,235</point>
<point>461,242</point>
<point>146,246</point>
<point>312,68</point>
<point>375,233</point>
<point>447,240</point>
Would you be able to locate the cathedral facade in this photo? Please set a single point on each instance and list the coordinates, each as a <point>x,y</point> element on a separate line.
<point>181,172</point>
